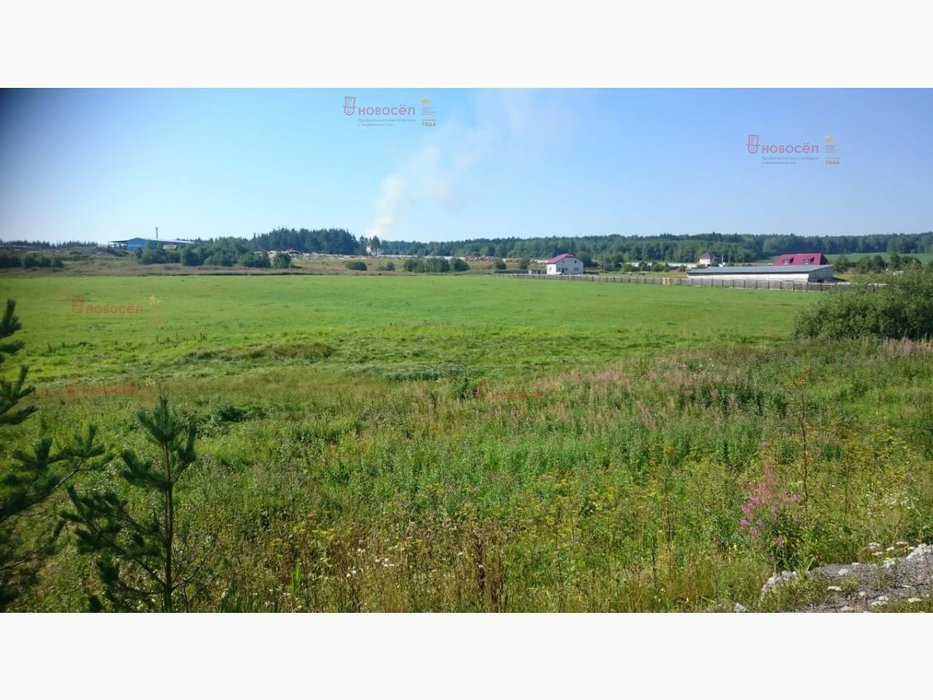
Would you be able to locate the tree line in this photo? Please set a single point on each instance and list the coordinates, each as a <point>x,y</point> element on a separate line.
<point>29,261</point>
<point>611,252</point>
<point>231,251</point>
<point>615,249</point>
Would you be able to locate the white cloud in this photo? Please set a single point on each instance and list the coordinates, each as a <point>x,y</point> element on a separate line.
<point>435,173</point>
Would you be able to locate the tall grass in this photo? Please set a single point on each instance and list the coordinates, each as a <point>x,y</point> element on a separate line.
<point>617,489</point>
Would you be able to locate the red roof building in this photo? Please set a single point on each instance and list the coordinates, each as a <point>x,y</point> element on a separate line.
<point>562,256</point>
<point>801,259</point>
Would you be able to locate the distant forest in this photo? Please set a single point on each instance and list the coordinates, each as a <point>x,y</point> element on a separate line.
<point>620,249</point>
<point>669,248</point>
<point>608,250</point>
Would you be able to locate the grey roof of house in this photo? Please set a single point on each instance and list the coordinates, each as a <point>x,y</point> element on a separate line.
<point>757,270</point>
<point>152,240</point>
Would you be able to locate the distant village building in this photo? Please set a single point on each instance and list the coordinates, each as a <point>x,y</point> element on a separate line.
<point>801,259</point>
<point>564,264</point>
<point>137,243</point>
<point>706,260</point>
<point>773,273</point>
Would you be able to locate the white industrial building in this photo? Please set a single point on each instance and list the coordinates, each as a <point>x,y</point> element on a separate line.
<point>773,273</point>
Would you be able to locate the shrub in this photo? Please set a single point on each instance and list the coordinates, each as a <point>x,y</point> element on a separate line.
<point>189,257</point>
<point>356,265</point>
<point>460,265</point>
<point>254,260</point>
<point>8,260</point>
<point>901,307</point>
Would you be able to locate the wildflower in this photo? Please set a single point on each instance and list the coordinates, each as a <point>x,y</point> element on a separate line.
<point>779,542</point>
<point>743,522</point>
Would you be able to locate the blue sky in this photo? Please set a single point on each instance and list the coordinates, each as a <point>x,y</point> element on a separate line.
<point>106,164</point>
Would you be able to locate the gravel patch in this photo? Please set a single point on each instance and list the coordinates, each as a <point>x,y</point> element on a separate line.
<point>860,587</point>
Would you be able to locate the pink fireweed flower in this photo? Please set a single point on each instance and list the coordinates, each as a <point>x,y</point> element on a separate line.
<point>764,503</point>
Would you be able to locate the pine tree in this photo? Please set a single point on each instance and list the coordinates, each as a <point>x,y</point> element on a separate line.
<point>29,479</point>
<point>139,563</point>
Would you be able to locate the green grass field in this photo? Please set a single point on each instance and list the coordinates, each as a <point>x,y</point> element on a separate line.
<point>201,325</point>
<point>478,443</point>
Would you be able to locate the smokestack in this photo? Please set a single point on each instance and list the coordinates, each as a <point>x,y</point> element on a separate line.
<point>157,233</point>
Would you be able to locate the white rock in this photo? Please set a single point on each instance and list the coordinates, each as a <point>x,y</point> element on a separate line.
<point>739,608</point>
<point>913,600</point>
<point>777,580</point>
<point>921,550</point>
<point>833,588</point>
<point>842,572</point>
<point>846,608</point>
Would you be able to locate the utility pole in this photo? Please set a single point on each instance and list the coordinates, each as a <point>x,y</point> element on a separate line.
<point>157,233</point>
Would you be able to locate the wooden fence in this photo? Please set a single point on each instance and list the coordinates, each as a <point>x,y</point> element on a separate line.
<point>687,281</point>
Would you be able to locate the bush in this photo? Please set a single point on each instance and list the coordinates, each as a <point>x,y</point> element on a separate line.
<point>31,260</point>
<point>901,307</point>
<point>254,260</point>
<point>8,260</point>
<point>189,257</point>
<point>158,256</point>
<point>356,265</point>
<point>460,265</point>
<point>427,265</point>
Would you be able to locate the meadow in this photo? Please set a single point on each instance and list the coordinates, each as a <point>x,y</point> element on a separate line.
<point>472,443</point>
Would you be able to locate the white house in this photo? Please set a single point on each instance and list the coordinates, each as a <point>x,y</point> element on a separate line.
<point>706,260</point>
<point>564,264</point>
